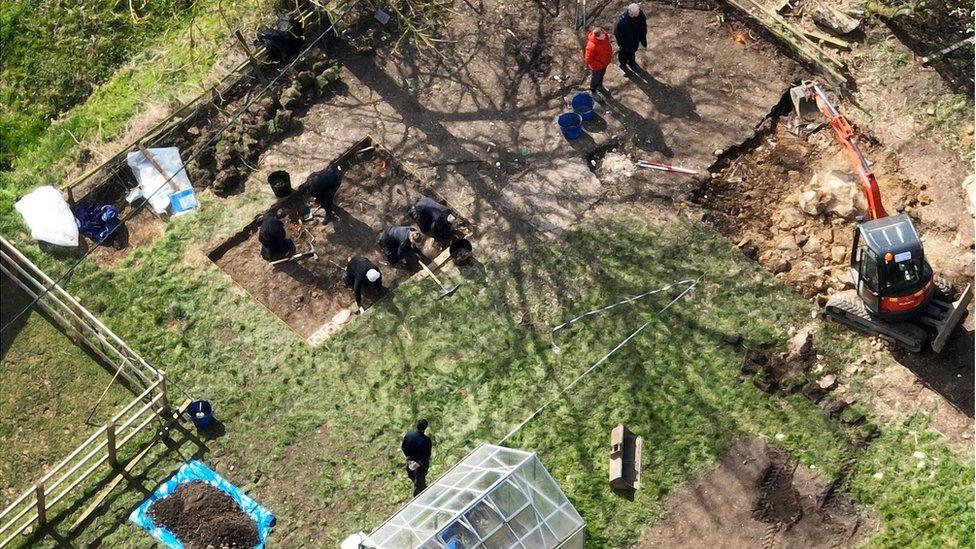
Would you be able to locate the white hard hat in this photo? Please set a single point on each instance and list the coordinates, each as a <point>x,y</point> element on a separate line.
<point>633,9</point>
<point>372,275</point>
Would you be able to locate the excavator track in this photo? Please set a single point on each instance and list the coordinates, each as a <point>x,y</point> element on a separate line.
<point>935,324</point>
<point>847,308</point>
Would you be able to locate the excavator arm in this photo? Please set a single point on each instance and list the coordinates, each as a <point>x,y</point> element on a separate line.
<point>809,98</point>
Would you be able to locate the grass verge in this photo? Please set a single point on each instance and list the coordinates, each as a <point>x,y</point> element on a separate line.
<point>313,434</point>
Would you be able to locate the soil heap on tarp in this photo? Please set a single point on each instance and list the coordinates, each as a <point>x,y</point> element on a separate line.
<point>201,516</point>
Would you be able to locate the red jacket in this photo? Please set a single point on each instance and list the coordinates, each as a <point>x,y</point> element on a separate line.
<point>598,53</point>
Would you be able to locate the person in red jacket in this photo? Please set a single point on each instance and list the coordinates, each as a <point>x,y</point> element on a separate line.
<point>598,54</point>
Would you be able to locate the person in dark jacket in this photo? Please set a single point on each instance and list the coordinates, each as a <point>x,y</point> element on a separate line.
<point>362,274</point>
<point>323,186</point>
<point>397,242</point>
<point>416,448</point>
<point>432,217</point>
<point>275,243</point>
<point>631,33</point>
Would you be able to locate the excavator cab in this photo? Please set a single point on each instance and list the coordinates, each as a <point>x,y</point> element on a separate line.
<point>889,269</point>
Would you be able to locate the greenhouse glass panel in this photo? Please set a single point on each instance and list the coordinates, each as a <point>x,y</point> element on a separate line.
<point>495,497</point>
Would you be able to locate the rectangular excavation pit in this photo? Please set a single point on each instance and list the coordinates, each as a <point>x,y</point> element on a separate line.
<point>310,295</point>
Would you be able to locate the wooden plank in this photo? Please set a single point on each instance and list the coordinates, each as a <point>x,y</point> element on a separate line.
<point>843,44</point>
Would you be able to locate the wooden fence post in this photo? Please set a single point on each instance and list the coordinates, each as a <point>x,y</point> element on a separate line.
<point>41,505</point>
<point>163,402</point>
<point>110,435</point>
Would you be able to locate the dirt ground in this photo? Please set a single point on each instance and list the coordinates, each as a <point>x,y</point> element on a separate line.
<point>753,199</point>
<point>202,516</point>
<point>375,194</point>
<point>480,119</point>
<point>758,497</point>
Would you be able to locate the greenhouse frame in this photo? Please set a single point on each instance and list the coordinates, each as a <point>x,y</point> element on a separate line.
<point>494,497</point>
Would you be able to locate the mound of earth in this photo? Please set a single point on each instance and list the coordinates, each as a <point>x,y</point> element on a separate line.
<point>202,516</point>
<point>757,497</point>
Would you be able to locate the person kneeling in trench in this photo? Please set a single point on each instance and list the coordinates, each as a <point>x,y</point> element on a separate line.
<point>275,243</point>
<point>416,448</point>
<point>363,274</point>
<point>432,217</point>
<point>396,243</point>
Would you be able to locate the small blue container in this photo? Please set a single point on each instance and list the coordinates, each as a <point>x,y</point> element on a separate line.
<point>571,125</point>
<point>201,412</point>
<point>583,105</point>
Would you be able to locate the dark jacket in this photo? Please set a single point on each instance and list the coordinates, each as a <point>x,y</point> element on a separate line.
<point>395,243</point>
<point>630,32</point>
<point>272,236</point>
<point>322,186</point>
<point>416,446</point>
<point>431,217</point>
<point>356,277</point>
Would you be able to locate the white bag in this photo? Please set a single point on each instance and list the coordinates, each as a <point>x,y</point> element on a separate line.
<point>48,216</point>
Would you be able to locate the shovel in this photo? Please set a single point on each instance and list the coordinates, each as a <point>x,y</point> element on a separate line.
<point>311,253</point>
<point>444,289</point>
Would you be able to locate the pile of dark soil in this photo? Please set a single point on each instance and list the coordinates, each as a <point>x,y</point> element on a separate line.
<point>758,497</point>
<point>200,515</point>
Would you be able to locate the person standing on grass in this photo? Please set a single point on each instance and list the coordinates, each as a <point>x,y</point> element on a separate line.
<point>598,54</point>
<point>416,448</point>
<point>631,33</point>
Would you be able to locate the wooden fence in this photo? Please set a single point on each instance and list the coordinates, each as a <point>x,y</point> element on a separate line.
<point>106,443</point>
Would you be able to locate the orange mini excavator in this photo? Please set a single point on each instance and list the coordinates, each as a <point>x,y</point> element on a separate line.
<point>896,295</point>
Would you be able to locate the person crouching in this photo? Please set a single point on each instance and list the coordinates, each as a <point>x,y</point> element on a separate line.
<point>432,217</point>
<point>396,243</point>
<point>275,243</point>
<point>362,274</point>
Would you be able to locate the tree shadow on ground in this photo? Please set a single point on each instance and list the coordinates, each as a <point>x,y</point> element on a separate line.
<point>950,373</point>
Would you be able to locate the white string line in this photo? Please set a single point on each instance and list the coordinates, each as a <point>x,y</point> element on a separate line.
<point>691,285</point>
<point>556,349</point>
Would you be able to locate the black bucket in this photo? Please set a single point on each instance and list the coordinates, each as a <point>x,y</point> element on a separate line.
<point>461,251</point>
<point>280,183</point>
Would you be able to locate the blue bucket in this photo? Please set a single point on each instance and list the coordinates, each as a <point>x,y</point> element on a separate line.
<point>583,105</point>
<point>571,125</point>
<point>201,412</point>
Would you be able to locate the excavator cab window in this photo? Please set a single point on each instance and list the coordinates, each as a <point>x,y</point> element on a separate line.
<point>903,276</point>
<point>868,267</point>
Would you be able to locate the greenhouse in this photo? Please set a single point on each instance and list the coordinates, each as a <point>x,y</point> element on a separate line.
<point>494,497</point>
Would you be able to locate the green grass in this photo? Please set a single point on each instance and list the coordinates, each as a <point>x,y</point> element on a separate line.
<point>56,52</point>
<point>946,118</point>
<point>48,387</point>
<point>163,59</point>
<point>313,434</point>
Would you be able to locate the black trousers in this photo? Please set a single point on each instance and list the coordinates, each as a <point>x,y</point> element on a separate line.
<point>287,250</point>
<point>419,478</point>
<point>627,58</point>
<point>596,80</point>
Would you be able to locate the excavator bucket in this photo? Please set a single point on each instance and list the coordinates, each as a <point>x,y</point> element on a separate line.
<point>805,103</point>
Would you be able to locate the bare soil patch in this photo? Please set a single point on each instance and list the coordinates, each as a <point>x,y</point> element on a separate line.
<point>757,497</point>
<point>376,193</point>
<point>203,516</point>
<point>753,200</point>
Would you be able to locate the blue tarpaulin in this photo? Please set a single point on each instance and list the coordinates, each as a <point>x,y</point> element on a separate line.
<point>191,471</point>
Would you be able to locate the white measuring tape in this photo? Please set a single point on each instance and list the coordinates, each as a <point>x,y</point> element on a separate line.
<point>691,285</point>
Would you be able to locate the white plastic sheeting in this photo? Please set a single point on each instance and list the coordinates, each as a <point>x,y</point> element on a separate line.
<point>48,216</point>
<point>153,185</point>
